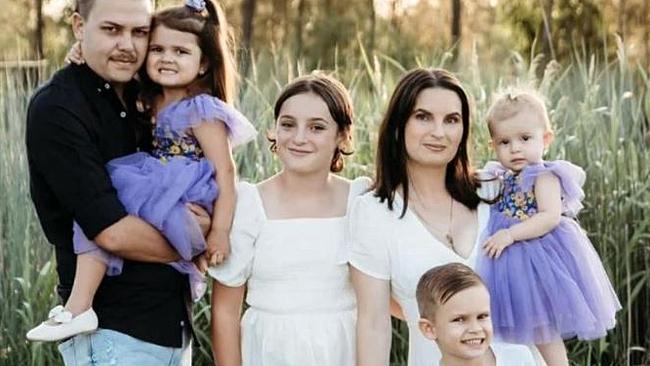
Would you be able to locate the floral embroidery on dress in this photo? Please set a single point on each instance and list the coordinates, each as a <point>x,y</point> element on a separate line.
<point>168,143</point>
<point>516,202</point>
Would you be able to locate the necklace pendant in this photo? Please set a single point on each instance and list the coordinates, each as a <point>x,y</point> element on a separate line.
<point>450,240</point>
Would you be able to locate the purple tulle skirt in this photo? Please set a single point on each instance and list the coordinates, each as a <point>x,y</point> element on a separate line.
<point>158,193</point>
<point>549,288</point>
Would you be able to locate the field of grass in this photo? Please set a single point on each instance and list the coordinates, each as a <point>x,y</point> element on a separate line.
<point>598,107</point>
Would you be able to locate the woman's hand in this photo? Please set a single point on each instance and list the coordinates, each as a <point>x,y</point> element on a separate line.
<point>75,56</point>
<point>495,244</point>
<point>202,217</point>
<point>218,243</point>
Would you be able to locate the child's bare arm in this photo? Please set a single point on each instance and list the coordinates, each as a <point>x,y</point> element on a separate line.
<point>548,193</point>
<point>213,138</point>
<point>226,317</point>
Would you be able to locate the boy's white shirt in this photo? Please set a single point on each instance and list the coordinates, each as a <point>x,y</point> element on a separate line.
<point>507,354</point>
<point>539,361</point>
<point>515,355</point>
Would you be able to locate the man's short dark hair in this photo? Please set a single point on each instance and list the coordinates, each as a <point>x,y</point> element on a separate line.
<point>83,7</point>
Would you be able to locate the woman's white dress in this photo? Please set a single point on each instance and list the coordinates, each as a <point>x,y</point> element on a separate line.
<point>302,308</point>
<point>386,247</point>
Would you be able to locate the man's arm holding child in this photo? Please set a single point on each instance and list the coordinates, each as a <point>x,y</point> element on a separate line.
<point>63,152</point>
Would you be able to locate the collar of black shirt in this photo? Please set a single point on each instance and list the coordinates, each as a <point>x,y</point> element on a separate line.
<point>94,84</point>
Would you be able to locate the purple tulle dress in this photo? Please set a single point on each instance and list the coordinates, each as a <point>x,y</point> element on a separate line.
<point>552,287</point>
<point>157,186</point>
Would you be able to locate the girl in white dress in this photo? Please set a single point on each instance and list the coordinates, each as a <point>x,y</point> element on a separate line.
<point>423,210</point>
<point>288,244</point>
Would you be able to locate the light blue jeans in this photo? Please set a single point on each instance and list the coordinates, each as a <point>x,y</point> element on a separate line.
<point>107,347</point>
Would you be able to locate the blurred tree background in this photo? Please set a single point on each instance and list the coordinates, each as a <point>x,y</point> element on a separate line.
<point>317,31</point>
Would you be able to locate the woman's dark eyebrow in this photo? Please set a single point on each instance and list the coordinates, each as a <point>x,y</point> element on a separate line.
<point>420,110</point>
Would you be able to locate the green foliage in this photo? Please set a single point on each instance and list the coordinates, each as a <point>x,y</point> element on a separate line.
<point>26,259</point>
<point>599,108</point>
<point>570,22</point>
<point>17,27</point>
<point>402,30</point>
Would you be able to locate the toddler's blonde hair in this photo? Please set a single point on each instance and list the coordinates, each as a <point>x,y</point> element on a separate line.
<point>511,102</point>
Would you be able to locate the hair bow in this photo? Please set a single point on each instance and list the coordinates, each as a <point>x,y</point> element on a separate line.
<point>198,5</point>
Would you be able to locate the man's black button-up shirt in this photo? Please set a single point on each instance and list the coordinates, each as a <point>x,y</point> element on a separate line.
<point>75,125</point>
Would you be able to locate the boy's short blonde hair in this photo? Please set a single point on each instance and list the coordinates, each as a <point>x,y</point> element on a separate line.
<point>511,102</point>
<point>439,284</point>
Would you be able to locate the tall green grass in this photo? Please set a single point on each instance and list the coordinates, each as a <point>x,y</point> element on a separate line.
<point>599,108</point>
<point>26,259</point>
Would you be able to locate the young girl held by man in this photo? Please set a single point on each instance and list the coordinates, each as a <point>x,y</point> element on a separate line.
<point>187,88</point>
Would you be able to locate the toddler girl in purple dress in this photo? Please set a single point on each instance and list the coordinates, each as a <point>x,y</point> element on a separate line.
<point>546,281</point>
<point>188,87</point>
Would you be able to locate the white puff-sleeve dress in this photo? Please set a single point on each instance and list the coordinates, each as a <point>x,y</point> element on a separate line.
<point>386,247</point>
<point>302,308</point>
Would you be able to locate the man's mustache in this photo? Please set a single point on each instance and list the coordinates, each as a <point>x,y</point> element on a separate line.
<point>124,57</point>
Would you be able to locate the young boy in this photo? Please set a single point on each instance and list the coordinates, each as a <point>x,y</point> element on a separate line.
<point>454,309</point>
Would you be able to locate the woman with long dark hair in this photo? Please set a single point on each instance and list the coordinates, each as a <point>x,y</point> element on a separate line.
<point>423,210</point>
